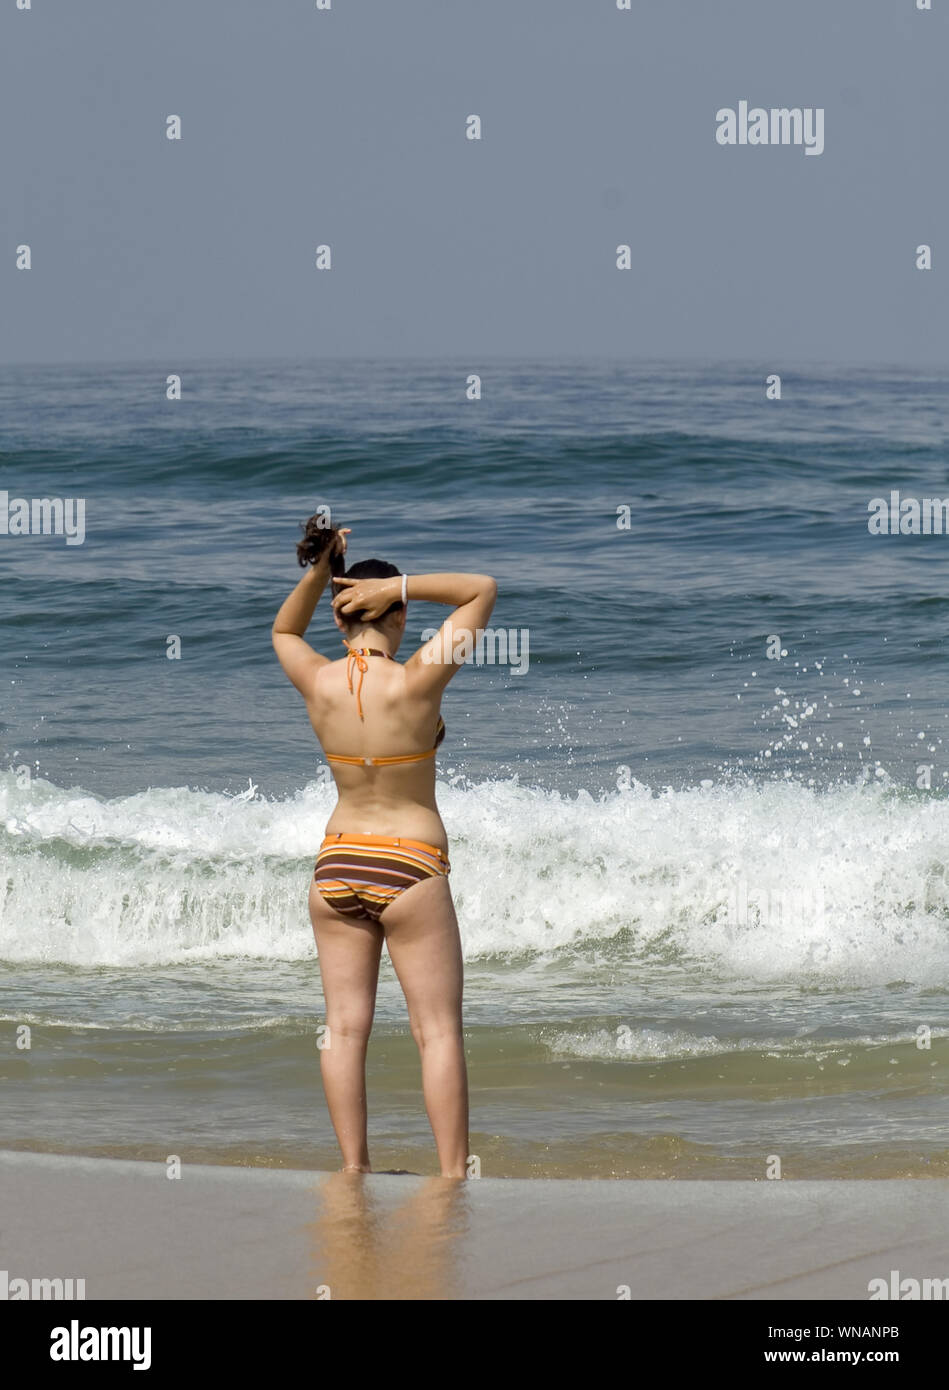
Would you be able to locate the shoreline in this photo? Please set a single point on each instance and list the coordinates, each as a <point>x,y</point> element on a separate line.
<point>686,1166</point>
<point>228,1232</point>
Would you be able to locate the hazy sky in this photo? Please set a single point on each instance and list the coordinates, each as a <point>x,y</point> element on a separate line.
<point>347,127</point>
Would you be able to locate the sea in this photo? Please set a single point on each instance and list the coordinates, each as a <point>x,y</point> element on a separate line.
<point>696,787</point>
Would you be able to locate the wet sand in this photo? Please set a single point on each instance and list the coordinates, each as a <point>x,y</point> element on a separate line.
<point>131,1232</point>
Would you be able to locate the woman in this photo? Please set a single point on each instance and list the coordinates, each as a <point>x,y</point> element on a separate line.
<point>382,871</point>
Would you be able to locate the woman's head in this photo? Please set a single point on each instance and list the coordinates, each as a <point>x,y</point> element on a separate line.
<point>370,569</point>
<point>318,536</point>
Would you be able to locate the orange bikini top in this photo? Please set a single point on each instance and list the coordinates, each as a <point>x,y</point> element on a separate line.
<point>357,656</point>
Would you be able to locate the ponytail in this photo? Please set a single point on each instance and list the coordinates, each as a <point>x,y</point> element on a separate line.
<point>317,539</point>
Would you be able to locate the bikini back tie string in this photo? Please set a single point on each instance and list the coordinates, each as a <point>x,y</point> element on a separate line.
<point>357,656</point>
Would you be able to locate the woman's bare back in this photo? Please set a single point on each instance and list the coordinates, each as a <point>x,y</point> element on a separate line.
<point>399,717</point>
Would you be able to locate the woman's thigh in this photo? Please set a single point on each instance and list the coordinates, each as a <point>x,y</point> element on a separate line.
<point>425,948</point>
<point>349,949</point>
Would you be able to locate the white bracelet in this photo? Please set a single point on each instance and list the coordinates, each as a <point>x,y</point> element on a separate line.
<point>405,588</point>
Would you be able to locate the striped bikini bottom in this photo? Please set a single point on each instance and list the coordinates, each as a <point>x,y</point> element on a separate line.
<point>360,875</point>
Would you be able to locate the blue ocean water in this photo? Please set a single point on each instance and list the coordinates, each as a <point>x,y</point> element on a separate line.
<point>678,862</point>
<point>747,518</point>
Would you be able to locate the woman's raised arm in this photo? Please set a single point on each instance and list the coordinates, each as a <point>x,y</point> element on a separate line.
<point>473,596</point>
<point>296,656</point>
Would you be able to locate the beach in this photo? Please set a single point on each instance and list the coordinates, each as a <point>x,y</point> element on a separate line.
<point>133,1233</point>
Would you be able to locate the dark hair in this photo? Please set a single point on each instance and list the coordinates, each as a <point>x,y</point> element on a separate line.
<point>317,538</point>
<point>369,569</point>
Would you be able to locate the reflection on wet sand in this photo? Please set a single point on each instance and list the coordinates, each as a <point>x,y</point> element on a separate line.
<point>361,1247</point>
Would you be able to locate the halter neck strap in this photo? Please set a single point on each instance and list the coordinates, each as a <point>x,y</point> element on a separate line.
<point>357,657</point>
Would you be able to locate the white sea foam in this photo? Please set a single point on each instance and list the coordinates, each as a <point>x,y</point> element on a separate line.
<point>767,883</point>
<point>658,1045</point>
<point>636,1045</point>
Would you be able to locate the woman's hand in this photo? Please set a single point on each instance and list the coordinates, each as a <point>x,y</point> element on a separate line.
<point>370,597</point>
<point>340,541</point>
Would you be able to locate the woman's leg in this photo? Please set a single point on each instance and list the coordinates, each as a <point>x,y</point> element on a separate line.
<point>349,951</point>
<point>425,947</point>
